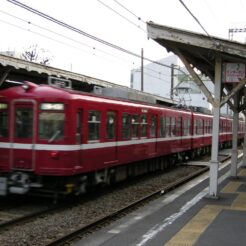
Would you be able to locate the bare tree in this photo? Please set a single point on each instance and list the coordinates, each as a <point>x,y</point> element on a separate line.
<point>35,54</point>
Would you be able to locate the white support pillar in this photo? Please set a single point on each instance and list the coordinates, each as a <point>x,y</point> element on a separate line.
<point>234,153</point>
<point>214,164</point>
<point>244,145</point>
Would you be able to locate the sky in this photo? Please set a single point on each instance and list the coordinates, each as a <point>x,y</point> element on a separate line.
<point>119,22</point>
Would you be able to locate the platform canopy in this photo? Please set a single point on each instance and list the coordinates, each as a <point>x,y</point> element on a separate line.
<point>201,51</point>
<point>224,62</point>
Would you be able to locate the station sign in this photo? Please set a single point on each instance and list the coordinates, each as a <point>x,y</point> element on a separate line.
<point>233,72</point>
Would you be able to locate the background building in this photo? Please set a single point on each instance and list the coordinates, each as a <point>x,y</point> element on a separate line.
<point>157,78</point>
<point>174,82</point>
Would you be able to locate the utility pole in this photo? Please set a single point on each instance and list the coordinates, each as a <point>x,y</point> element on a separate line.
<point>172,81</point>
<point>142,71</point>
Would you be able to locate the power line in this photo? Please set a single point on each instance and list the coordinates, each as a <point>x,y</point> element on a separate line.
<point>194,17</point>
<point>139,18</point>
<point>68,38</point>
<point>116,12</point>
<point>66,44</point>
<point>59,34</point>
<point>65,25</point>
<point>61,23</point>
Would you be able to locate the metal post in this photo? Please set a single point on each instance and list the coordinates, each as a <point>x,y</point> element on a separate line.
<point>244,145</point>
<point>172,81</point>
<point>213,182</point>
<point>234,153</point>
<point>142,71</point>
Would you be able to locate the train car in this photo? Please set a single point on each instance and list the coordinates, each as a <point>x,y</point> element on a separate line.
<point>60,141</point>
<point>202,134</point>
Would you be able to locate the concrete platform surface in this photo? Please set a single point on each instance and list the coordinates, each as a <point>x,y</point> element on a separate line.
<point>184,217</point>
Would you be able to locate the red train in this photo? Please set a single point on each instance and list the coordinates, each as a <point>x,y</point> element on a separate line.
<point>63,141</point>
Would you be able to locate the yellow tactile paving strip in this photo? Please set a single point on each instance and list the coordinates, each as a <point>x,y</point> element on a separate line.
<point>190,233</point>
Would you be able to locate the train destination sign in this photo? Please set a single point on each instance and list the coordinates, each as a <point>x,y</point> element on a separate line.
<point>233,72</point>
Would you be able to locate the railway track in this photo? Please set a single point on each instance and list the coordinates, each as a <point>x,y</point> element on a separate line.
<point>8,219</point>
<point>98,224</point>
<point>46,225</point>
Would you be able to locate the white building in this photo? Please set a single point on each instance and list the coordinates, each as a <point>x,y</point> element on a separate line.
<point>158,81</point>
<point>157,78</point>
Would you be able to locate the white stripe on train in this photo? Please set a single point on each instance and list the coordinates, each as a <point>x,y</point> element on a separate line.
<point>95,144</point>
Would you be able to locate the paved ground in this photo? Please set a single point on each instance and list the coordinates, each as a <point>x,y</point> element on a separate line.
<point>184,217</point>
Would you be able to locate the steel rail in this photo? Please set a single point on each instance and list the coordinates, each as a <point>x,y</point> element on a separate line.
<point>113,216</point>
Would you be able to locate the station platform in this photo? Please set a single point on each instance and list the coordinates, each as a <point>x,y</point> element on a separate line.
<point>184,217</point>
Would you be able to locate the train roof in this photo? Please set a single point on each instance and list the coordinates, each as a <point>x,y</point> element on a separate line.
<point>31,90</point>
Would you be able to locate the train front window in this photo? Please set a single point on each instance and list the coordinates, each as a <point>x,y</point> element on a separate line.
<point>51,126</point>
<point>3,124</point>
<point>23,123</point>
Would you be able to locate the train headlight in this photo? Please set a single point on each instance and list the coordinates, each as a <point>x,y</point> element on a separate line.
<point>3,105</point>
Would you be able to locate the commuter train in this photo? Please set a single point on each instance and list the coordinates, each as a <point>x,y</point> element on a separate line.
<point>60,141</point>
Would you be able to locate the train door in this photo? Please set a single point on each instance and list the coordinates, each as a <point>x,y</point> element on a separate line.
<point>22,134</point>
<point>79,136</point>
<point>110,152</point>
<point>153,134</point>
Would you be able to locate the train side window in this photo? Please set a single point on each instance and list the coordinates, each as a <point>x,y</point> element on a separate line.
<point>199,127</point>
<point>205,127</point>
<point>178,126</point>
<point>126,126</point>
<point>135,126</point>
<point>143,125</point>
<point>153,126</point>
<point>110,125</point>
<point>173,127</point>
<point>168,126</point>
<point>195,127</point>
<point>185,127</point>
<point>162,126</point>
<point>94,122</point>
<point>51,125</point>
<point>188,126</point>
<point>23,123</point>
<point>3,124</point>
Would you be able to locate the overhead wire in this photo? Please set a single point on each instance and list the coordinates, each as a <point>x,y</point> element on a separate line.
<point>116,12</point>
<point>77,48</point>
<point>120,4</point>
<point>77,30</point>
<point>194,17</point>
<point>61,35</point>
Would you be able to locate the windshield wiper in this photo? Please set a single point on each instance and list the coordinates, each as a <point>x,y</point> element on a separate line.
<point>54,136</point>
